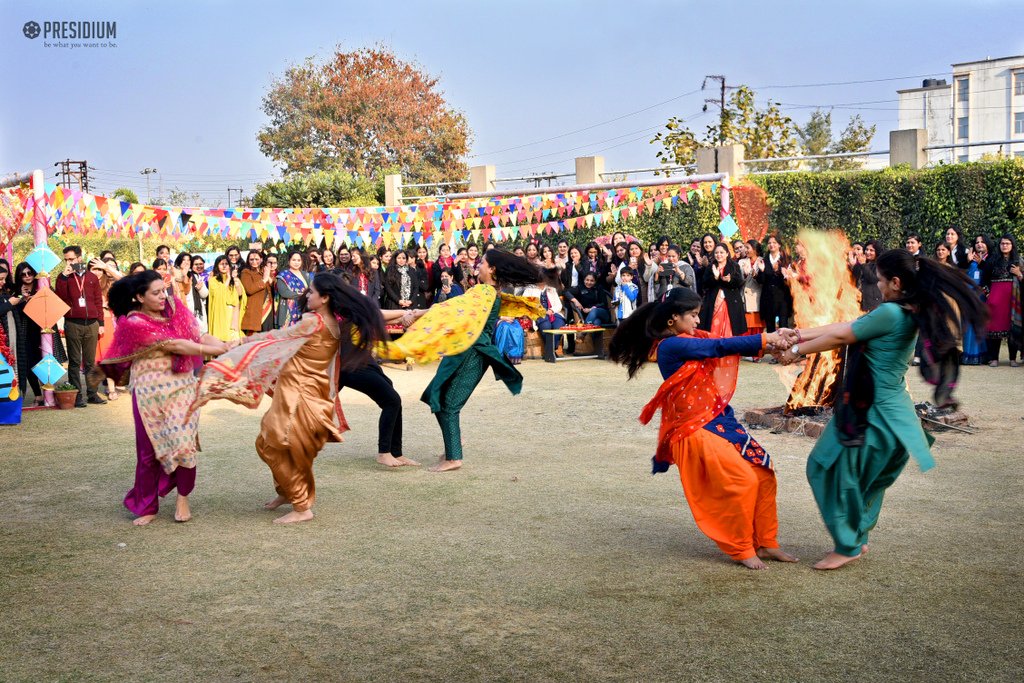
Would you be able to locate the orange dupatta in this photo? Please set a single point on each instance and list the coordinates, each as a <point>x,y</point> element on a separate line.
<point>693,396</point>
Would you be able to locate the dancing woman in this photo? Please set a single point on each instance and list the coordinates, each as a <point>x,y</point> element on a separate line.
<point>462,331</point>
<point>727,477</point>
<point>863,450</point>
<point>371,381</point>
<point>158,340</point>
<point>299,365</point>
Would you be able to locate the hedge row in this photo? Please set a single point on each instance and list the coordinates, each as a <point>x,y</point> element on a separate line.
<point>888,204</point>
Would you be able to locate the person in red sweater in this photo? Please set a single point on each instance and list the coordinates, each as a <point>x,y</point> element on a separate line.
<point>80,290</point>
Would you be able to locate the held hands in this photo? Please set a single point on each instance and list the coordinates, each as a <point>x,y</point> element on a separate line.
<point>783,350</point>
<point>1015,271</point>
<point>776,342</point>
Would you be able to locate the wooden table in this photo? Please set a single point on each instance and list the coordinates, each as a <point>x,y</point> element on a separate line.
<point>598,343</point>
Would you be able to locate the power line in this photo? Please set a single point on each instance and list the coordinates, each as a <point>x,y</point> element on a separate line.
<point>596,125</point>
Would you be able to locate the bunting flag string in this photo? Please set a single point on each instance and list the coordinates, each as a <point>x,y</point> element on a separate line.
<point>71,211</point>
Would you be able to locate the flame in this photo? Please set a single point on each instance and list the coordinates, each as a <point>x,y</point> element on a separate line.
<point>823,292</point>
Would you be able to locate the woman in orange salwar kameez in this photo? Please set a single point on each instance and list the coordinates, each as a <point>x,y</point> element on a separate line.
<point>727,477</point>
<point>299,366</point>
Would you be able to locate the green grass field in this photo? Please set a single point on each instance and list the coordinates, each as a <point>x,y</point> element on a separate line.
<point>552,555</point>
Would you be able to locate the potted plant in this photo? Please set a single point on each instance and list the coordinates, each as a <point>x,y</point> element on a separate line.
<point>66,394</point>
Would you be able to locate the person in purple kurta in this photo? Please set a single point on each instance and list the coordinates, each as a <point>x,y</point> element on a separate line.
<point>157,339</point>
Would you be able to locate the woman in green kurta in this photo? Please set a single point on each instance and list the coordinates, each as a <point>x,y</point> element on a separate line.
<point>849,481</point>
<point>458,375</point>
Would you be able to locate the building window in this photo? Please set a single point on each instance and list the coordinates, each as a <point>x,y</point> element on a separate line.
<point>1018,123</point>
<point>1018,83</point>
<point>961,127</point>
<point>962,159</point>
<point>962,89</point>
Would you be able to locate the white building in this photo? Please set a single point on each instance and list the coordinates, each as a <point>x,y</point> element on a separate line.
<point>984,103</point>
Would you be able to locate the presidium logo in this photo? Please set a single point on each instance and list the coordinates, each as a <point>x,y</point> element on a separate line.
<point>72,33</point>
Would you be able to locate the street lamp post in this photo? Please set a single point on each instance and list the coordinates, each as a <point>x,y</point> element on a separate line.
<point>148,172</point>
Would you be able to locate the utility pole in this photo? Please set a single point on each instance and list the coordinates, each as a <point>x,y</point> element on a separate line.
<point>80,174</point>
<point>721,103</point>
<point>148,172</point>
<point>239,190</point>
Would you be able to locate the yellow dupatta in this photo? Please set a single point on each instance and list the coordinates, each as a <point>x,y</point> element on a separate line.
<point>451,327</point>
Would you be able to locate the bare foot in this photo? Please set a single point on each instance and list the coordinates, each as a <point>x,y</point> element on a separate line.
<point>753,563</point>
<point>295,516</point>
<point>276,503</point>
<point>143,520</point>
<point>834,560</point>
<point>409,462</point>
<point>776,554</point>
<point>388,460</point>
<point>445,466</point>
<point>182,512</point>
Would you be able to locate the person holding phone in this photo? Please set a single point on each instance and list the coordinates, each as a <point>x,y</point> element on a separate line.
<point>81,291</point>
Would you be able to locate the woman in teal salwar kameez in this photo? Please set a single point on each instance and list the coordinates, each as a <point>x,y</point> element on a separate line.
<point>461,332</point>
<point>852,465</point>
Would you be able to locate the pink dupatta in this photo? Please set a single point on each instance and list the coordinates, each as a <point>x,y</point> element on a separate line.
<point>138,335</point>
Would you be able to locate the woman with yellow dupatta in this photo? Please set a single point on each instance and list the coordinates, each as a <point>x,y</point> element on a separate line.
<point>226,304</point>
<point>727,477</point>
<point>299,367</point>
<point>462,331</point>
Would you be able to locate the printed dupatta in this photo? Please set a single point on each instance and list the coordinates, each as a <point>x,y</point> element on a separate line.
<point>137,335</point>
<point>692,397</point>
<point>250,370</point>
<point>163,384</point>
<point>451,327</point>
<point>296,283</point>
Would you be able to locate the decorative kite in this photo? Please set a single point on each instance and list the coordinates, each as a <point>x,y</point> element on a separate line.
<point>49,371</point>
<point>42,259</point>
<point>46,308</point>
<point>8,382</point>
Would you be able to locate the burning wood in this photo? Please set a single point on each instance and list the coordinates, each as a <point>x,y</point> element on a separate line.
<point>823,292</point>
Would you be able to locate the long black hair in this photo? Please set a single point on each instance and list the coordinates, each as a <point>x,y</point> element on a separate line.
<point>511,270</point>
<point>359,319</point>
<point>632,341</point>
<point>216,271</point>
<point>942,300</point>
<point>121,297</point>
<point>1013,258</point>
<point>7,284</point>
<point>19,272</point>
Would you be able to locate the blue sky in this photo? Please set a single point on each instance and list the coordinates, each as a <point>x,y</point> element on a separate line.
<point>181,90</point>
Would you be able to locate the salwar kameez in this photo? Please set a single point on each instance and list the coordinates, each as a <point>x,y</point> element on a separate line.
<point>298,365</point>
<point>728,479</point>
<point>152,481</point>
<point>301,419</point>
<point>457,377</point>
<point>849,482</point>
<point>460,331</point>
<point>162,387</point>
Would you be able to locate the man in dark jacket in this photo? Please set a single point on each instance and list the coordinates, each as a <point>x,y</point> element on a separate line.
<point>80,290</point>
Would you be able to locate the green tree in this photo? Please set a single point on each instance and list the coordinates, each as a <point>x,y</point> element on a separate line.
<point>321,188</point>
<point>816,139</point>
<point>179,197</point>
<point>362,112</point>
<point>856,137</point>
<point>125,195</point>
<point>816,135</point>
<point>764,133</point>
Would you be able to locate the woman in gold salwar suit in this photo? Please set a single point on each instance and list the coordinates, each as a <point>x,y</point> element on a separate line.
<point>299,367</point>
